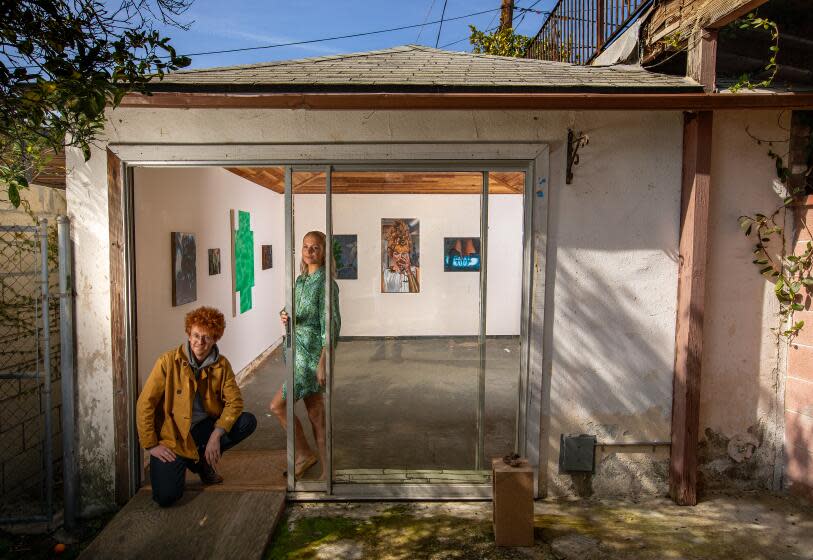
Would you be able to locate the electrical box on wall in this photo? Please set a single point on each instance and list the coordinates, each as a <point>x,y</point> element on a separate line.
<point>577,453</point>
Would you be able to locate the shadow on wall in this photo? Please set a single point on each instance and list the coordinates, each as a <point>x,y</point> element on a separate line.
<point>799,458</point>
<point>740,404</point>
<point>610,376</point>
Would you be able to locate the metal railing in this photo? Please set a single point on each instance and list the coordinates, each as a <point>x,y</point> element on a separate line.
<point>578,30</point>
<point>36,378</point>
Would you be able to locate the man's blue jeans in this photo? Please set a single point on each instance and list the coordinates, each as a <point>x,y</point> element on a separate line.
<point>167,479</point>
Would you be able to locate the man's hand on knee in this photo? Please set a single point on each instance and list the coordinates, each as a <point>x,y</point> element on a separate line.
<point>162,453</point>
<point>212,452</point>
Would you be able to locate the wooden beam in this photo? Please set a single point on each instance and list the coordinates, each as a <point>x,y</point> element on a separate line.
<point>702,60</point>
<point>121,392</point>
<point>694,221</point>
<point>681,18</point>
<point>383,182</point>
<point>469,101</point>
<point>264,176</point>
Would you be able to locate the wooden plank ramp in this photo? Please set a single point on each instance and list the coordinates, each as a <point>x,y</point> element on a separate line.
<point>231,520</point>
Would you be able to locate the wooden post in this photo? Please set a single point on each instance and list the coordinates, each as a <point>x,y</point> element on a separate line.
<point>694,219</point>
<point>599,26</point>
<point>701,65</point>
<point>507,15</point>
<point>121,391</point>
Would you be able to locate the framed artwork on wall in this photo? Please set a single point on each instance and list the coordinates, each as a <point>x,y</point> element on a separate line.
<point>242,260</point>
<point>400,255</point>
<point>267,257</point>
<point>214,262</point>
<point>461,254</point>
<point>345,252</point>
<point>184,264</point>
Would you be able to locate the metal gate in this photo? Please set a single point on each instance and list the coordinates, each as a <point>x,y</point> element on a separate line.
<point>36,403</point>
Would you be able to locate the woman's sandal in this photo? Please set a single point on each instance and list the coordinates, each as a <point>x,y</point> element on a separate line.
<point>302,467</point>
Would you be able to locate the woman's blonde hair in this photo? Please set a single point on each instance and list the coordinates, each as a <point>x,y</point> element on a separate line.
<point>303,268</point>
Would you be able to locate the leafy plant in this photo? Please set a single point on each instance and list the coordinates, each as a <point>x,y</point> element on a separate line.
<point>62,64</point>
<point>752,22</point>
<point>502,42</point>
<point>792,274</point>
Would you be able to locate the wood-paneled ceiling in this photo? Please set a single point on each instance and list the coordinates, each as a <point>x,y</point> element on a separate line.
<point>377,182</point>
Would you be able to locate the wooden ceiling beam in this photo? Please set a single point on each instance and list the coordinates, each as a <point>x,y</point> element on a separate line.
<point>308,182</point>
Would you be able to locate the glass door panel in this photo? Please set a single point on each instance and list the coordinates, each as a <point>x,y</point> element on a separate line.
<point>407,364</point>
<point>310,462</point>
<point>504,263</point>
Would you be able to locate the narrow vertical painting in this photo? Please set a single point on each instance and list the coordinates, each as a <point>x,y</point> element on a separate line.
<point>267,257</point>
<point>345,253</point>
<point>400,264</point>
<point>244,260</point>
<point>184,273</point>
<point>214,262</point>
<point>461,254</point>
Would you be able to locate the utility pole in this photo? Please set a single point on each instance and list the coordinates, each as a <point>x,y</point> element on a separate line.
<point>507,14</point>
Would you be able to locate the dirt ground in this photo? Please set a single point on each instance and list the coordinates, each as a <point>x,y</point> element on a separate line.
<point>744,526</point>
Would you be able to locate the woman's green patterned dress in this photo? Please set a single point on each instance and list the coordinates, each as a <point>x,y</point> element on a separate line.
<point>309,304</point>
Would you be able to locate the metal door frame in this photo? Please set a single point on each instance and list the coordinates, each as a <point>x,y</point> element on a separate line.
<point>530,158</point>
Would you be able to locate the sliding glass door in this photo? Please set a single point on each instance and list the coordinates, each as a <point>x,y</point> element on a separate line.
<point>422,309</point>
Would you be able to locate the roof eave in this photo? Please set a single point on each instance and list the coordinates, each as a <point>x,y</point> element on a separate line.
<point>419,88</point>
<point>560,100</point>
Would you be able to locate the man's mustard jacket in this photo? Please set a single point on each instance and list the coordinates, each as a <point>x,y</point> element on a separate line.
<point>164,409</point>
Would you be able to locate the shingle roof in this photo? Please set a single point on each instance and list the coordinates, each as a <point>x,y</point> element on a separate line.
<point>418,68</point>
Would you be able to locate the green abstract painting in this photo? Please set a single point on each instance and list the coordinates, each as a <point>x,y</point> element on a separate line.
<point>244,259</point>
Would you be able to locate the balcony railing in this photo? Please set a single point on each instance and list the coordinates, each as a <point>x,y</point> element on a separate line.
<point>578,30</point>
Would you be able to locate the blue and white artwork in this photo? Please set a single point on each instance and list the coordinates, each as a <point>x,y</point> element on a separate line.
<point>461,254</point>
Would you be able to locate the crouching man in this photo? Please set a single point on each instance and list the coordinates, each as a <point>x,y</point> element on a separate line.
<point>191,410</point>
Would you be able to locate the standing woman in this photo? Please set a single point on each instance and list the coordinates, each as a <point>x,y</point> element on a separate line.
<point>309,365</point>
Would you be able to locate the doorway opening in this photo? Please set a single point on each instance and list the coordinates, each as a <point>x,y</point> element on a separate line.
<point>428,378</point>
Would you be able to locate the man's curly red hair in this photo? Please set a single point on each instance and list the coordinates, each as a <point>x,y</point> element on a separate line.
<point>207,318</point>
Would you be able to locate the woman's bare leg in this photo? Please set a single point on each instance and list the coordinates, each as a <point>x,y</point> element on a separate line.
<point>278,407</point>
<point>316,413</point>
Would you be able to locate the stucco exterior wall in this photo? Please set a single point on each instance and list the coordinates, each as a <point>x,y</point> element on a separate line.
<point>611,277</point>
<point>743,368</point>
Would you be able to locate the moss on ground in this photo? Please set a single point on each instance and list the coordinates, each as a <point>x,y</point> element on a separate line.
<point>749,528</point>
<point>395,534</point>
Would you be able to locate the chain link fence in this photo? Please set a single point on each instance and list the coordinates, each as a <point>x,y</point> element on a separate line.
<point>30,403</point>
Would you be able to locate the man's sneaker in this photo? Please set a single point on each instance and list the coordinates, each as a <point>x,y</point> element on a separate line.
<point>207,474</point>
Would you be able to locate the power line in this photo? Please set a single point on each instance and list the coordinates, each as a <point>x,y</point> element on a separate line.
<point>324,39</point>
<point>428,13</point>
<point>489,29</point>
<point>351,36</point>
<point>440,28</point>
<point>525,12</point>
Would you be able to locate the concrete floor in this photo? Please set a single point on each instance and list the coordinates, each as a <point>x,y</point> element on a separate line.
<point>404,403</point>
<point>747,526</point>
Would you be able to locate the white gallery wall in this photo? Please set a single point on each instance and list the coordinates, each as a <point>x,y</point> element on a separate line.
<point>448,302</point>
<point>197,200</point>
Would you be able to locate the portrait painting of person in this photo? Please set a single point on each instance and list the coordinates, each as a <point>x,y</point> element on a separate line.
<point>399,274</point>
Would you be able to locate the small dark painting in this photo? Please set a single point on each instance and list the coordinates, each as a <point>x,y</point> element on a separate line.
<point>184,273</point>
<point>214,262</point>
<point>268,261</point>
<point>345,251</point>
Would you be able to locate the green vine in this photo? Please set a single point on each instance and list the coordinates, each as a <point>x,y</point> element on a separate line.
<point>752,22</point>
<point>792,273</point>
